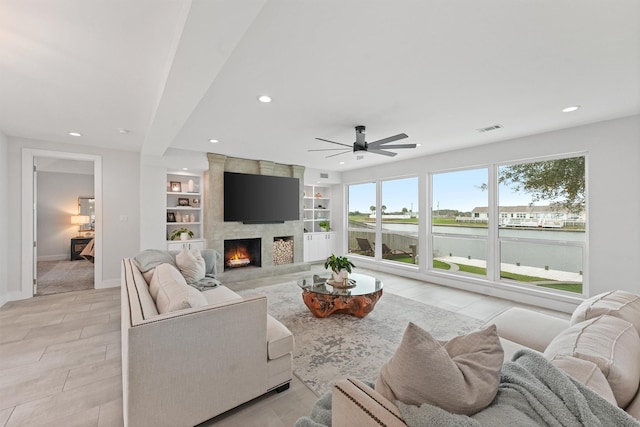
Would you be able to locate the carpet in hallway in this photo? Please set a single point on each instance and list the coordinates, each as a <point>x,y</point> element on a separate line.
<point>64,276</point>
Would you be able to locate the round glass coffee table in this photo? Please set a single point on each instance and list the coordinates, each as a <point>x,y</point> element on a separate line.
<point>323,299</point>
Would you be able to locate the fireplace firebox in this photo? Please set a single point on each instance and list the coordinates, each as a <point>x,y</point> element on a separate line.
<point>240,253</point>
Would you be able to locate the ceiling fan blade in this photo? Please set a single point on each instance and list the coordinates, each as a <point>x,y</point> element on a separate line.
<point>383,152</point>
<point>333,142</point>
<point>389,147</point>
<point>338,154</point>
<point>328,149</point>
<point>387,140</point>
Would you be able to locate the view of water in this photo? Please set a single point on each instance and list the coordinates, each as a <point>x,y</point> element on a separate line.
<point>555,256</point>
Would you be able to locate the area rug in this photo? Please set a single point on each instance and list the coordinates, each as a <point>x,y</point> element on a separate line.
<point>341,345</point>
<point>64,276</point>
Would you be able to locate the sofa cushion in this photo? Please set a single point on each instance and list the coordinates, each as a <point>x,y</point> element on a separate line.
<point>220,295</point>
<point>172,292</point>
<point>612,344</point>
<point>529,328</point>
<point>621,304</point>
<point>279,339</point>
<point>587,373</point>
<point>191,264</point>
<point>460,376</point>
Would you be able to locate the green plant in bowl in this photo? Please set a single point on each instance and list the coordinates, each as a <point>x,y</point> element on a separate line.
<point>338,263</point>
<point>177,232</point>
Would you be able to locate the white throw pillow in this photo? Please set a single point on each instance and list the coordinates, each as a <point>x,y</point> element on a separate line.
<point>191,265</point>
<point>460,376</point>
<point>612,344</point>
<point>172,292</point>
<point>621,304</point>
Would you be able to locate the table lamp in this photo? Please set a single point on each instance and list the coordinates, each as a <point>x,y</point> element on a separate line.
<point>79,220</point>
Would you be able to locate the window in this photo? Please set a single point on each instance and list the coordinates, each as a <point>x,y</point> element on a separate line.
<point>546,247</point>
<point>459,222</point>
<point>362,218</point>
<point>400,220</point>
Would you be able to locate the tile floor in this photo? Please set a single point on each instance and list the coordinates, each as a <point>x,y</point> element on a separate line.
<point>60,357</point>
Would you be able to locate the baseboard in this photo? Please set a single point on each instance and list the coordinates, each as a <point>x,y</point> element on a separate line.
<point>110,283</point>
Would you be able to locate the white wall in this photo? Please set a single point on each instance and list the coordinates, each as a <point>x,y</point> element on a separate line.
<point>4,219</point>
<point>120,212</point>
<point>613,186</point>
<point>57,200</point>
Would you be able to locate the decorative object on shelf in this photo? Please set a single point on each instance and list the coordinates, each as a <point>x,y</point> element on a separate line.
<point>176,186</point>
<point>190,186</point>
<point>324,226</point>
<point>341,267</point>
<point>320,207</point>
<point>195,203</point>
<point>181,233</point>
<point>318,195</point>
<point>183,201</point>
<point>186,218</point>
<point>171,217</point>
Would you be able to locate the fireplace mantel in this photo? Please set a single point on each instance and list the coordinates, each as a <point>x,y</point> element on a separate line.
<point>217,231</point>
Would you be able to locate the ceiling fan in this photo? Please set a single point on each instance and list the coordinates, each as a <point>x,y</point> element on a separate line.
<point>376,147</point>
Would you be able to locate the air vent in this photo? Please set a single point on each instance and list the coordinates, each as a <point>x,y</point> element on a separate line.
<point>359,157</point>
<point>489,128</point>
<point>324,175</point>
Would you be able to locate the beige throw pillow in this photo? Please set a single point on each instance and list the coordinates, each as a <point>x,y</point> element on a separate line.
<point>460,376</point>
<point>191,265</point>
<point>172,292</point>
<point>612,344</point>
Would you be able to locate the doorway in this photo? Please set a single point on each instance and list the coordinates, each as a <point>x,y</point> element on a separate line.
<point>65,225</point>
<point>90,165</point>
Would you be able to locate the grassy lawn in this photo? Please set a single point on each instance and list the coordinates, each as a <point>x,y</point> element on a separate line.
<point>401,258</point>
<point>441,265</point>
<point>521,277</point>
<point>569,287</point>
<point>562,286</point>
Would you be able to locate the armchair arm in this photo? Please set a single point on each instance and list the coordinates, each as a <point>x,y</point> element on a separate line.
<point>356,404</point>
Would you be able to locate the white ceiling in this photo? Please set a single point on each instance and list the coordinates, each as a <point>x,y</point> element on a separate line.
<point>176,73</point>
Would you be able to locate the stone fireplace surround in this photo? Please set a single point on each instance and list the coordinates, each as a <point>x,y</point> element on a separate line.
<point>216,231</point>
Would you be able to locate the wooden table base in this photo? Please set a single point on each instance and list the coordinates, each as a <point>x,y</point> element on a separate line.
<point>322,305</point>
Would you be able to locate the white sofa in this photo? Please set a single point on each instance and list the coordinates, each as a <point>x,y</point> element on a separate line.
<point>187,366</point>
<point>355,403</point>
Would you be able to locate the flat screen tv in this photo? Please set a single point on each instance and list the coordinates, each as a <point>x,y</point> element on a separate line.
<point>261,199</point>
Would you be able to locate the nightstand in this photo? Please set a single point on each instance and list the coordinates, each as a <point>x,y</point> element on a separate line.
<point>77,245</point>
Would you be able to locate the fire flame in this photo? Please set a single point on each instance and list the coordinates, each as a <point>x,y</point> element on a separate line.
<point>234,255</point>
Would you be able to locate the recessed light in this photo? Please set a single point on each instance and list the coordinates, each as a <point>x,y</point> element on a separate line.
<point>264,98</point>
<point>342,163</point>
<point>418,145</point>
<point>75,134</point>
<point>185,169</point>
<point>570,109</point>
<point>123,131</point>
<point>214,141</point>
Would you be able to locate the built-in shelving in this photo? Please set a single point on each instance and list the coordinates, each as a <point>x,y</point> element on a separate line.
<point>317,207</point>
<point>184,209</point>
<point>318,242</point>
